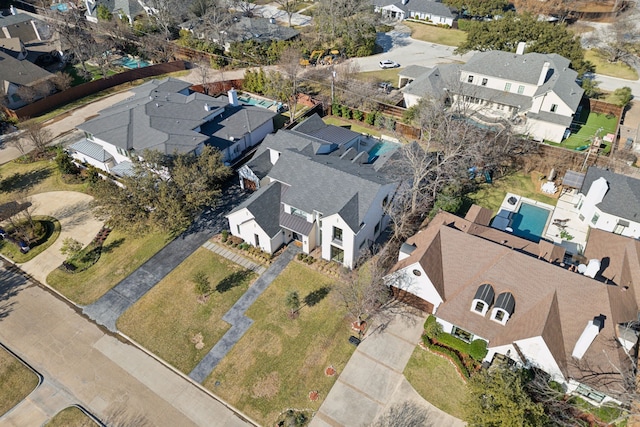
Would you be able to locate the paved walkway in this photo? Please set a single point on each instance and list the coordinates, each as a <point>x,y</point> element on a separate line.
<point>236,318</point>
<point>73,211</point>
<point>116,301</point>
<point>372,380</point>
<point>82,364</point>
<point>237,258</point>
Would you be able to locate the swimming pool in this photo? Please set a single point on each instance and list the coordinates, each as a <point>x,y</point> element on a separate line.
<point>381,148</point>
<point>131,62</point>
<point>529,221</point>
<point>264,103</point>
<point>62,7</point>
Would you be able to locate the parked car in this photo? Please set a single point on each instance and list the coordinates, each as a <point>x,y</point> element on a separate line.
<point>387,63</point>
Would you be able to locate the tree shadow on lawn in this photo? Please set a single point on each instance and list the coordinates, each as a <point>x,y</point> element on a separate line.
<point>234,279</point>
<point>24,180</point>
<point>316,296</point>
<point>11,282</point>
<point>112,245</point>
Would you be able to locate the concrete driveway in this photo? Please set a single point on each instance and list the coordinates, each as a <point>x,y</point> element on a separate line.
<point>73,211</point>
<point>372,380</point>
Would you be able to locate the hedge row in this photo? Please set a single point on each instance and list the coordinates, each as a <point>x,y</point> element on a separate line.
<point>477,349</point>
<point>451,354</point>
<point>374,118</point>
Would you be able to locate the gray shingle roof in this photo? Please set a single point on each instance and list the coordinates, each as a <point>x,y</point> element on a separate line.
<point>547,116</point>
<point>420,6</point>
<point>20,26</point>
<point>623,197</point>
<point>20,72</point>
<point>235,122</point>
<point>260,165</point>
<point>433,80</point>
<point>91,149</point>
<point>265,207</point>
<point>127,7</point>
<point>413,71</point>
<point>158,117</point>
<point>123,169</point>
<point>316,127</point>
<point>14,19</point>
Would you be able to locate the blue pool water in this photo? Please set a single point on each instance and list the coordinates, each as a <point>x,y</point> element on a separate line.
<point>381,148</point>
<point>529,222</point>
<point>132,63</point>
<point>257,102</point>
<point>62,7</point>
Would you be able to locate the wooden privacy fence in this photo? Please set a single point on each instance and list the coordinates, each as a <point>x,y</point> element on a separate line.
<point>77,92</point>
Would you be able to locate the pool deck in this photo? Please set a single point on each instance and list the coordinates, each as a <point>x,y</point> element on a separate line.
<point>566,210</point>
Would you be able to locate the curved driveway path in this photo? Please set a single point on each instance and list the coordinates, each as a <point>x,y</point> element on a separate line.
<point>73,211</point>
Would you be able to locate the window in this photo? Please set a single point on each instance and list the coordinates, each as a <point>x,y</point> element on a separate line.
<point>554,107</point>
<point>238,228</point>
<point>484,82</point>
<point>479,307</point>
<point>499,315</point>
<point>337,254</point>
<point>507,87</point>
<point>520,89</point>
<point>580,204</point>
<point>581,217</point>
<point>470,79</point>
<point>595,218</point>
<point>337,234</point>
<point>590,393</point>
<point>299,213</point>
<point>462,334</point>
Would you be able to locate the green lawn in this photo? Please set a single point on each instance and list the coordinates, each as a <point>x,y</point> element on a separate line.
<point>360,128</point>
<point>388,75</point>
<point>32,178</point>
<point>121,255</point>
<point>169,320</point>
<point>491,195</point>
<point>280,360</point>
<point>11,250</point>
<point>587,130</point>
<point>71,417</point>
<point>432,34</point>
<point>437,381</point>
<point>615,69</point>
<point>16,381</point>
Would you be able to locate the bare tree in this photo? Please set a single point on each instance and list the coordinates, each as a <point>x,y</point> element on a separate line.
<point>27,93</point>
<point>290,65</point>
<point>405,414</point>
<point>18,142</point>
<point>156,48</point>
<point>62,81</point>
<point>74,33</point>
<point>203,65</point>
<point>288,7</point>
<point>617,42</point>
<point>246,7</point>
<point>36,134</point>
<point>22,220</point>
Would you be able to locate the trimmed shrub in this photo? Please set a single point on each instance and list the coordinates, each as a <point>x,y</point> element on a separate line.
<point>335,110</point>
<point>346,112</point>
<point>449,353</point>
<point>225,236</point>
<point>478,349</point>
<point>370,118</point>
<point>358,115</point>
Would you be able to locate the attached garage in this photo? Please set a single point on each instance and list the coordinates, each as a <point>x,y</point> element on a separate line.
<point>411,299</point>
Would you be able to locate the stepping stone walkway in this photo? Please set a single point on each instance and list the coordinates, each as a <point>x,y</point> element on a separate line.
<point>236,318</point>
<point>237,258</point>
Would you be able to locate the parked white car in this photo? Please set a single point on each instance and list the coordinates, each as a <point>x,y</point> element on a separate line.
<point>387,63</point>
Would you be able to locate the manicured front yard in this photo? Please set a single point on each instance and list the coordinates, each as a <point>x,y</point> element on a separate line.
<point>121,255</point>
<point>437,381</point>
<point>70,417</point>
<point>51,227</point>
<point>491,195</point>
<point>171,322</point>
<point>433,34</point>
<point>280,360</point>
<point>32,178</point>
<point>16,381</point>
<point>613,69</point>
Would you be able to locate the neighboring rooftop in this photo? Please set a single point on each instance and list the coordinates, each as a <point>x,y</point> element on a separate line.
<point>622,199</point>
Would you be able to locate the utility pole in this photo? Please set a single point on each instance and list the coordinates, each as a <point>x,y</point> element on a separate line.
<point>333,77</point>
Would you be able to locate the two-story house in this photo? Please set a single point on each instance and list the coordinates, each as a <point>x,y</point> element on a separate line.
<point>535,93</point>
<point>609,201</point>
<point>432,11</point>
<point>165,115</point>
<point>524,300</point>
<point>319,185</point>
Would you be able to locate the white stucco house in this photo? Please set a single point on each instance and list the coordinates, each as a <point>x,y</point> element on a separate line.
<point>523,300</point>
<point>165,115</point>
<point>435,12</point>
<point>609,201</point>
<point>319,185</point>
<point>535,93</point>
<point>129,9</point>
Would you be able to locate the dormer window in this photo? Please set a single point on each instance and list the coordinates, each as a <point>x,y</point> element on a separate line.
<point>505,305</point>
<point>482,299</point>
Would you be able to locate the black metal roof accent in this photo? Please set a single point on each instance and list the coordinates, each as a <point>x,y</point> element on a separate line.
<point>506,302</point>
<point>485,293</point>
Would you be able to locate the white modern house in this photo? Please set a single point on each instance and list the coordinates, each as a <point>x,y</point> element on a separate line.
<point>322,186</point>
<point>535,93</point>
<point>129,9</point>
<point>164,115</point>
<point>435,12</point>
<point>523,300</point>
<point>609,201</point>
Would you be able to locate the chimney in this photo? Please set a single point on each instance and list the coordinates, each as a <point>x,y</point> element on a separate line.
<point>405,1</point>
<point>543,73</point>
<point>207,107</point>
<point>13,10</point>
<point>520,48</point>
<point>233,97</point>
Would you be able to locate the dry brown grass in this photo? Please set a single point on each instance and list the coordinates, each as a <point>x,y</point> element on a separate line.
<point>16,381</point>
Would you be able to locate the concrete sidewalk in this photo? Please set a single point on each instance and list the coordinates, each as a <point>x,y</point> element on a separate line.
<point>236,318</point>
<point>234,257</point>
<point>84,365</point>
<point>372,380</point>
<point>117,300</point>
